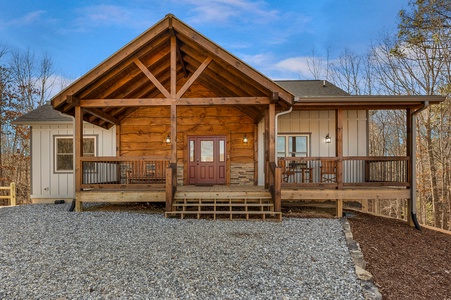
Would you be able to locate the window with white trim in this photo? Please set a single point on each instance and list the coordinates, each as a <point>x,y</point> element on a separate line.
<point>293,145</point>
<point>64,152</point>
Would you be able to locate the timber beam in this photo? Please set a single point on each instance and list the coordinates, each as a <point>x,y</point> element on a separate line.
<point>102,115</point>
<point>71,99</point>
<point>152,78</point>
<point>87,103</point>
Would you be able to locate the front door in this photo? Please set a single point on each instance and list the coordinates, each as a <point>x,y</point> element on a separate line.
<point>207,160</point>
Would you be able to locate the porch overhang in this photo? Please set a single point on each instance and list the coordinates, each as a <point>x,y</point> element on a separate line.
<point>365,102</point>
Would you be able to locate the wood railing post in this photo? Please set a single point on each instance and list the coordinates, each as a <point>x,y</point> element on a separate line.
<point>13,194</point>
<point>339,146</point>
<point>278,189</point>
<point>171,185</point>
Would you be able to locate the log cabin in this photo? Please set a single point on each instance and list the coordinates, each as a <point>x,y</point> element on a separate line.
<point>172,117</point>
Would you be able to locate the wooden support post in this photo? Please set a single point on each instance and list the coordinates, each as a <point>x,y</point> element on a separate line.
<point>277,189</point>
<point>169,188</point>
<point>339,208</point>
<point>272,134</point>
<point>411,145</point>
<point>256,154</point>
<point>13,194</point>
<point>78,149</point>
<point>364,204</point>
<point>339,146</point>
<point>118,152</point>
<point>173,133</point>
<point>266,142</point>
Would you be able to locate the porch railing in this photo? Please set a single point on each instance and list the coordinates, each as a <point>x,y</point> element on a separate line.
<point>123,172</point>
<point>350,171</point>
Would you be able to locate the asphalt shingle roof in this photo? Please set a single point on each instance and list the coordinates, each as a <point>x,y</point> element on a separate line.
<point>42,114</point>
<point>311,88</point>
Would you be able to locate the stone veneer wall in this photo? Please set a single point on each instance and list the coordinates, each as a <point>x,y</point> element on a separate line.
<point>180,174</point>
<point>242,174</point>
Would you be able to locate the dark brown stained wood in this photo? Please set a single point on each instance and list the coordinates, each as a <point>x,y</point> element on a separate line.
<point>225,75</point>
<point>339,145</point>
<point>409,137</point>
<point>173,133</point>
<point>173,66</point>
<point>78,146</point>
<point>231,60</point>
<point>256,138</point>
<point>152,78</point>
<point>193,77</point>
<point>272,136</point>
<point>124,102</point>
<point>71,99</point>
<point>102,115</point>
<point>223,101</point>
<point>158,68</point>
<point>155,47</point>
<point>266,148</point>
<point>220,85</point>
<point>143,132</point>
<point>278,189</point>
<point>118,140</point>
<point>114,60</point>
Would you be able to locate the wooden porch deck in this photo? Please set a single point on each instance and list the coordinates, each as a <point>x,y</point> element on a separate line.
<point>240,201</point>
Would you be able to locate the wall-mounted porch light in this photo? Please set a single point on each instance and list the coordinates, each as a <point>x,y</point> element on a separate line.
<point>168,139</point>
<point>328,139</point>
<point>245,139</point>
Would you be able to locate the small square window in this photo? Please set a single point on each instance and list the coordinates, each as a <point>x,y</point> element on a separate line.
<point>64,152</point>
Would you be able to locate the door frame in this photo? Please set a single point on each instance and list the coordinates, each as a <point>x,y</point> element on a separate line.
<point>186,153</point>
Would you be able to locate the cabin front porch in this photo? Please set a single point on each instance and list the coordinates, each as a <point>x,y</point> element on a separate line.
<point>295,179</point>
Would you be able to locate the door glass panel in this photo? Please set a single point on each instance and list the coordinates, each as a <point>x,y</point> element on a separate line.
<point>221,150</point>
<point>191,151</point>
<point>206,151</point>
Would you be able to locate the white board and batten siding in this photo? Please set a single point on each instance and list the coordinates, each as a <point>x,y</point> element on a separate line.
<point>48,185</point>
<point>318,124</point>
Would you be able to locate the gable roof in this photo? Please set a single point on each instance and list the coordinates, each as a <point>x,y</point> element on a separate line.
<point>42,114</point>
<point>141,73</point>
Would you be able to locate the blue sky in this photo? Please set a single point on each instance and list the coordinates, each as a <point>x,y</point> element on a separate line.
<point>273,36</point>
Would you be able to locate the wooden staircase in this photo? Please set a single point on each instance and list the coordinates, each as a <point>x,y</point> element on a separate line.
<point>224,205</point>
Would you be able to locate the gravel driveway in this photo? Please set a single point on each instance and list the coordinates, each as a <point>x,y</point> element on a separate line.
<point>49,253</point>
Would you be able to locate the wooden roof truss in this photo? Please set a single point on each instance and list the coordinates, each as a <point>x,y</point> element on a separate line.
<point>170,64</point>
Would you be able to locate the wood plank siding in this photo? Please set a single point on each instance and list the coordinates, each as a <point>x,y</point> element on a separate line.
<point>143,132</point>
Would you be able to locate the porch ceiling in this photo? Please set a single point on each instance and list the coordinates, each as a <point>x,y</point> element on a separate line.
<point>140,75</point>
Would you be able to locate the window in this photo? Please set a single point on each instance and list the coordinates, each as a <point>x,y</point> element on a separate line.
<point>64,152</point>
<point>293,145</point>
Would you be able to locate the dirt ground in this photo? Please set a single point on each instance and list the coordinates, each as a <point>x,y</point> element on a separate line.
<point>406,263</point>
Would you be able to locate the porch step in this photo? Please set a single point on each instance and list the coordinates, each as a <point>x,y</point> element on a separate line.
<point>224,205</point>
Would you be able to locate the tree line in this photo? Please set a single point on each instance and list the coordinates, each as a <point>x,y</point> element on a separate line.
<point>26,82</point>
<point>414,61</point>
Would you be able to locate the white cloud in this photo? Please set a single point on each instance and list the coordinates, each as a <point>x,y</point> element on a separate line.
<point>223,11</point>
<point>111,15</point>
<point>28,19</point>
<point>293,64</point>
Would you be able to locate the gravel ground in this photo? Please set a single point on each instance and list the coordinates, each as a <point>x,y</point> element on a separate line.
<point>49,253</point>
